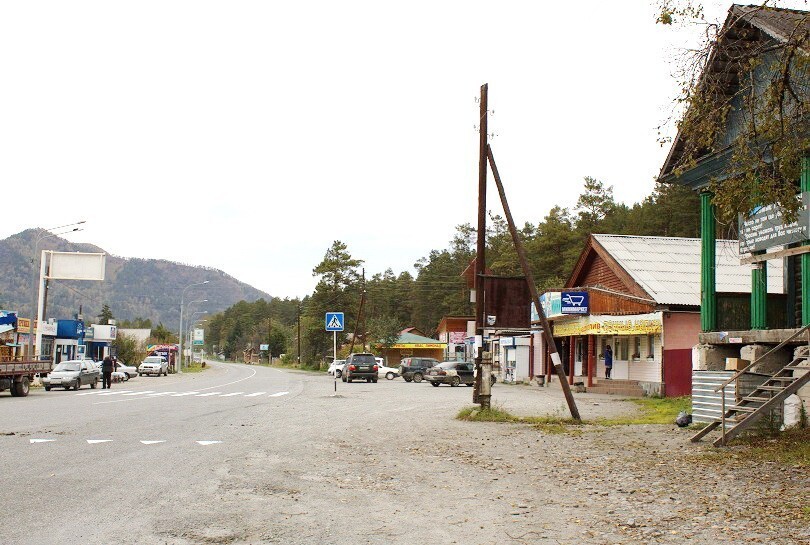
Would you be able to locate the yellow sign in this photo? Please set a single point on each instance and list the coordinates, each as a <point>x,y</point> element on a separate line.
<point>419,345</point>
<point>637,324</point>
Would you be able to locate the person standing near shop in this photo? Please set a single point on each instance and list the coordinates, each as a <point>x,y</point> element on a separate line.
<point>608,361</point>
<point>106,373</point>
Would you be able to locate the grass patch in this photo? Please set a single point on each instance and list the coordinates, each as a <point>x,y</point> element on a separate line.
<point>653,410</point>
<point>548,424</point>
<point>195,368</point>
<point>790,448</point>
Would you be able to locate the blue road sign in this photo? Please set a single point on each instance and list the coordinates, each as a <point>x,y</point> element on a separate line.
<point>334,321</point>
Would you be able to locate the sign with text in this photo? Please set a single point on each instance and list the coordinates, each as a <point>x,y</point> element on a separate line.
<point>637,324</point>
<point>574,302</point>
<point>765,228</point>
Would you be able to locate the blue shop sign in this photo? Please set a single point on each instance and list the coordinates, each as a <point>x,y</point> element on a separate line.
<point>574,302</point>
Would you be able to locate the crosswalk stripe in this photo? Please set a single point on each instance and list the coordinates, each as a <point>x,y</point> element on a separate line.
<point>278,394</point>
<point>88,393</point>
<point>232,394</point>
<point>139,393</point>
<point>185,394</point>
<point>208,394</point>
<point>114,393</point>
<point>160,394</point>
<point>256,394</point>
<point>153,442</point>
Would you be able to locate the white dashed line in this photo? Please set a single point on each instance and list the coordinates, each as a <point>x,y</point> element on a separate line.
<point>42,440</point>
<point>232,394</point>
<point>185,394</point>
<point>153,442</point>
<point>114,393</point>
<point>208,394</point>
<point>278,394</point>
<point>144,392</point>
<point>256,394</point>
<point>97,441</point>
<point>205,443</point>
<point>161,394</point>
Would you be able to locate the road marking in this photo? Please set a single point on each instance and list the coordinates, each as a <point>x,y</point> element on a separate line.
<point>208,394</point>
<point>256,394</point>
<point>232,394</point>
<point>185,394</point>
<point>139,393</point>
<point>153,442</point>
<point>88,393</point>
<point>96,441</point>
<point>278,394</point>
<point>42,440</point>
<point>114,393</point>
<point>161,394</point>
<point>205,443</point>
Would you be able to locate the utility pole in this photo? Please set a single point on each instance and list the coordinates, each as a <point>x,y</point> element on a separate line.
<point>299,334</point>
<point>481,390</point>
<point>524,263</point>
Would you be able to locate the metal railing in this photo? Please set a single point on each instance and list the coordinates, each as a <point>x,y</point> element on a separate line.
<point>748,367</point>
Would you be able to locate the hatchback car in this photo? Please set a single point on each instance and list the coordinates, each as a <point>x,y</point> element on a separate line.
<point>336,368</point>
<point>154,365</point>
<point>128,370</point>
<point>72,374</point>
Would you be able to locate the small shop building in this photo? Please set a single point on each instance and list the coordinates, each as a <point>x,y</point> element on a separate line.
<point>454,331</point>
<point>640,295</point>
<point>410,344</point>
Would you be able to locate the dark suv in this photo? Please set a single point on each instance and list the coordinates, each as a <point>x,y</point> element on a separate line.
<point>360,366</point>
<point>413,369</point>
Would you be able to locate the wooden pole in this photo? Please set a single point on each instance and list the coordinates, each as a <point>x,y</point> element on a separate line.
<point>527,272</point>
<point>571,358</point>
<point>481,390</point>
<point>359,313</point>
<point>591,359</point>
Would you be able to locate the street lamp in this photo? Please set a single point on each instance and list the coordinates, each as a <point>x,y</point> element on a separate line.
<point>180,331</point>
<point>69,228</point>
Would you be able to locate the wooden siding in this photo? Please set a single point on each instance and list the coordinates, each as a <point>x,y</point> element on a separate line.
<point>598,273</point>
<point>734,311</point>
<point>509,300</point>
<point>609,303</point>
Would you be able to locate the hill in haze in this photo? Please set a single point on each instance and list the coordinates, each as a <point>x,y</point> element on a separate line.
<point>133,288</point>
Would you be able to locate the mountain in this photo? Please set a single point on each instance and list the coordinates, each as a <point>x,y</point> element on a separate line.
<point>132,288</point>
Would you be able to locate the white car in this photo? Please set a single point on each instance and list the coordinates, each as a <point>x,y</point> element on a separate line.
<point>336,368</point>
<point>128,370</point>
<point>153,365</point>
<point>388,372</point>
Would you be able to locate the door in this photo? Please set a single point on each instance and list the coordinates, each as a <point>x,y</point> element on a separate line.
<point>677,366</point>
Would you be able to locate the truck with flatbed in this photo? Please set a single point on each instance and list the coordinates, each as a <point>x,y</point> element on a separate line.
<point>17,376</point>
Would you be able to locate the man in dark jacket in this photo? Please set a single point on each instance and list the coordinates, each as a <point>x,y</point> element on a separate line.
<point>106,372</point>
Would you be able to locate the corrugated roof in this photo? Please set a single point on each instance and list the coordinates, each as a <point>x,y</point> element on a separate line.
<point>780,23</point>
<point>410,338</point>
<point>668,268</point>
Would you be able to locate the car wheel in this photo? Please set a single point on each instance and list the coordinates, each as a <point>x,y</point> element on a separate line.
<point>455,381</point>
<point>20,389</point>
<point>390,376</point>
<point>348,380</point>
<point>408,379</point>
<point>470,384</point>
<point>374,380</point>
<point>368,381</point>
<point>338,373</point>
<point>77,385</point>
<point>417,377</point>
<point>94,384</point>
<point>47,388</point>
<point>436,384</point>
<point>140,374</point>
<point>66,387</point>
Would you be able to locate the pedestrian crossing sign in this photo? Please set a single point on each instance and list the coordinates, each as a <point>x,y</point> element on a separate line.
<point>334,321</point>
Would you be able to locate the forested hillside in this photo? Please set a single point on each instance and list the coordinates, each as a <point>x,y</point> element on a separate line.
<point>133,288</point>
<point>396,300</point>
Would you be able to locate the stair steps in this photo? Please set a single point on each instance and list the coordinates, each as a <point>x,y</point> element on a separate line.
<point>768,396</point>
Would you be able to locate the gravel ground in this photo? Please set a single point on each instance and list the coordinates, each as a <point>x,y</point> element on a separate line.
<point>390,464</point>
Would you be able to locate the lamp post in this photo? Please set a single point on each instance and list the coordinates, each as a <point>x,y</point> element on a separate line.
<point>180,331</point>
<point>34,309</point>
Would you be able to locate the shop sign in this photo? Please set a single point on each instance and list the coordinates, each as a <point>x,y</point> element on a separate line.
<point>419,345</point>
<point>23,325</point>
<point>574,302</point>
<point>551,302</point>
<point>637,324</point>
<point>48,329</point>
<point>456,337</point>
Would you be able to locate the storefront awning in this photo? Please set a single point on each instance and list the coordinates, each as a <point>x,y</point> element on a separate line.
<point>635,324</point>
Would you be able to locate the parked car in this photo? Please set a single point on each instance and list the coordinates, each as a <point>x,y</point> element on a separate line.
<point>73,374</point>
<point>360,366</point>
<point>128,370</point>
<point>454,373</point>
<point>336,368</point>
<point>413,369</point>
<point>383,370</point>
<point>154,365</point>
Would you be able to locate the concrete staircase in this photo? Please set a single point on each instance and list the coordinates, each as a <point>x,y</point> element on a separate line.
<point>617,387</point>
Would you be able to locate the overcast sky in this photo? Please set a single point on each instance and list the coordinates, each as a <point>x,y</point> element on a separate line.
<point>247,136</point>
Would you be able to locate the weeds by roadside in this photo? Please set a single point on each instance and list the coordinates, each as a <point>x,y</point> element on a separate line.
<point>788,448</point>
<point>548,424</point>
<point>195,368</point>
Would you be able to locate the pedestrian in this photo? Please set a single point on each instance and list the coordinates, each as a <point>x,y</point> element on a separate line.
<point>106,373</point>
<point>608,361</point>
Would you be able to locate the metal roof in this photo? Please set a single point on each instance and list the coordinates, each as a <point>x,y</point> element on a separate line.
<point>668,268</point>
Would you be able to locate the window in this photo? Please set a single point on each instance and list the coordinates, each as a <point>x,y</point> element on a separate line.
<point>650,346</point>
<point>603,342</point>
<point>620,352</point>
<point>636,347</point>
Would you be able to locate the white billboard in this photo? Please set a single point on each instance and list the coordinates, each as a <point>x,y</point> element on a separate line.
<point>77,266</point>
